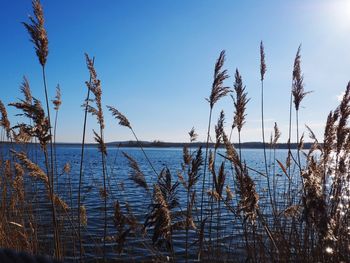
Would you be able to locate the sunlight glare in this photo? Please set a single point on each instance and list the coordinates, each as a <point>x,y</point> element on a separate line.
<point>340,13</point>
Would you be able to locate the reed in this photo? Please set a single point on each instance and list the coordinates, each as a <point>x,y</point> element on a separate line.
<point>262,76</point>
<point>298,95</point>
<point>95,87</point>
<point>38,35</point>
<point>218,91</point>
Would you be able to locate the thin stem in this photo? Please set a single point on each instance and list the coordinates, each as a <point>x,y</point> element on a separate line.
<point>205,163</point>
<point>54,141</point>
<point>187,225</point>
<point>289,144</point>
<point>264,146</point>
<point>239,145</point>
<point>56,235</point>
<point>105,198</point>
<point>298,142</point>
<point>54,219</point>
<point>81,170</point>
<point>203,183</point>
<point>144,153</point>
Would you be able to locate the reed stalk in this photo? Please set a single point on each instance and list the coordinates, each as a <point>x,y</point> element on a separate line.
<point>262,74</point>
<point>81,167</point>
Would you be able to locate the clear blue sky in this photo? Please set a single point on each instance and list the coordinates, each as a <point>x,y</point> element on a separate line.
<point>155,60</point>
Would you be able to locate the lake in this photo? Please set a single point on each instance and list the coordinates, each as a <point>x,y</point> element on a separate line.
<point>138,247</point>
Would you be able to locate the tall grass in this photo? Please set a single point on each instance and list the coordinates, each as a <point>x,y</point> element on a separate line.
<point>304,216</point>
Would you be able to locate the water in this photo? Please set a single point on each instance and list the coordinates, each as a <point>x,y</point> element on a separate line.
<point>123,189</point>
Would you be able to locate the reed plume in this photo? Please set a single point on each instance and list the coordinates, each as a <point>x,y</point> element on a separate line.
<point>344,113</point>
<point>101,144</point>
<point>329,135</point>
<point>25,89</point>
<point>135,173</point>
<point>313,199</point>
<point>186,156</point>
<point>41,126</point>
<point>219,129</point>
<point>4,121</point>
<point>38,33</point>
<point>218,89</point>
<point>249,198</point>
<point>219,181</point>
<point>123,121</point>
<point>193,135</point>
<point>34,170</point>
<point>194,171</point>
<point>262,62</point>
<point>58,100</point>
<point>240,102</point>
<point>298,81</point>
<point>22,135</point>
<point>276,134</point>
<point>161,216</point>
<point>95,87</point>
<point>18,182</point>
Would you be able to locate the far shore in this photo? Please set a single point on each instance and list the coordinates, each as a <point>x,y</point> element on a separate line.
<point>159,144</point>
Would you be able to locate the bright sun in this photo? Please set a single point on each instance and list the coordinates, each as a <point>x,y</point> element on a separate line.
<point>340,13</point>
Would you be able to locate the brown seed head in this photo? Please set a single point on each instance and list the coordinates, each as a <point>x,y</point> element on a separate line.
<point>94,85</point>
<point>298,82</point>
<point>38,33</point>
<point>193,135</point>
<point>276,134</point>
<point>101,144</point>
<point>123,121</point>
<point>262,61</point>
<point>25,89</point>
<point>240,102</point>
<point>135,173</point>
<point>219,129</point>
<point>218,90</point>
<point>57,101</point>
<point>4,121</point>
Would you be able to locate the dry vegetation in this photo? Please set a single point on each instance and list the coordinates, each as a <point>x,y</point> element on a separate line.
<point>309,221</point>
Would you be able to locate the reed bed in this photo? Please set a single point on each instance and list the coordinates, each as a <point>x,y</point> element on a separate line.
<point>214,207</point>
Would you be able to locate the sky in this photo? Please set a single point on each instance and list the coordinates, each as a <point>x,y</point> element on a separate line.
<point>155,60</point>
